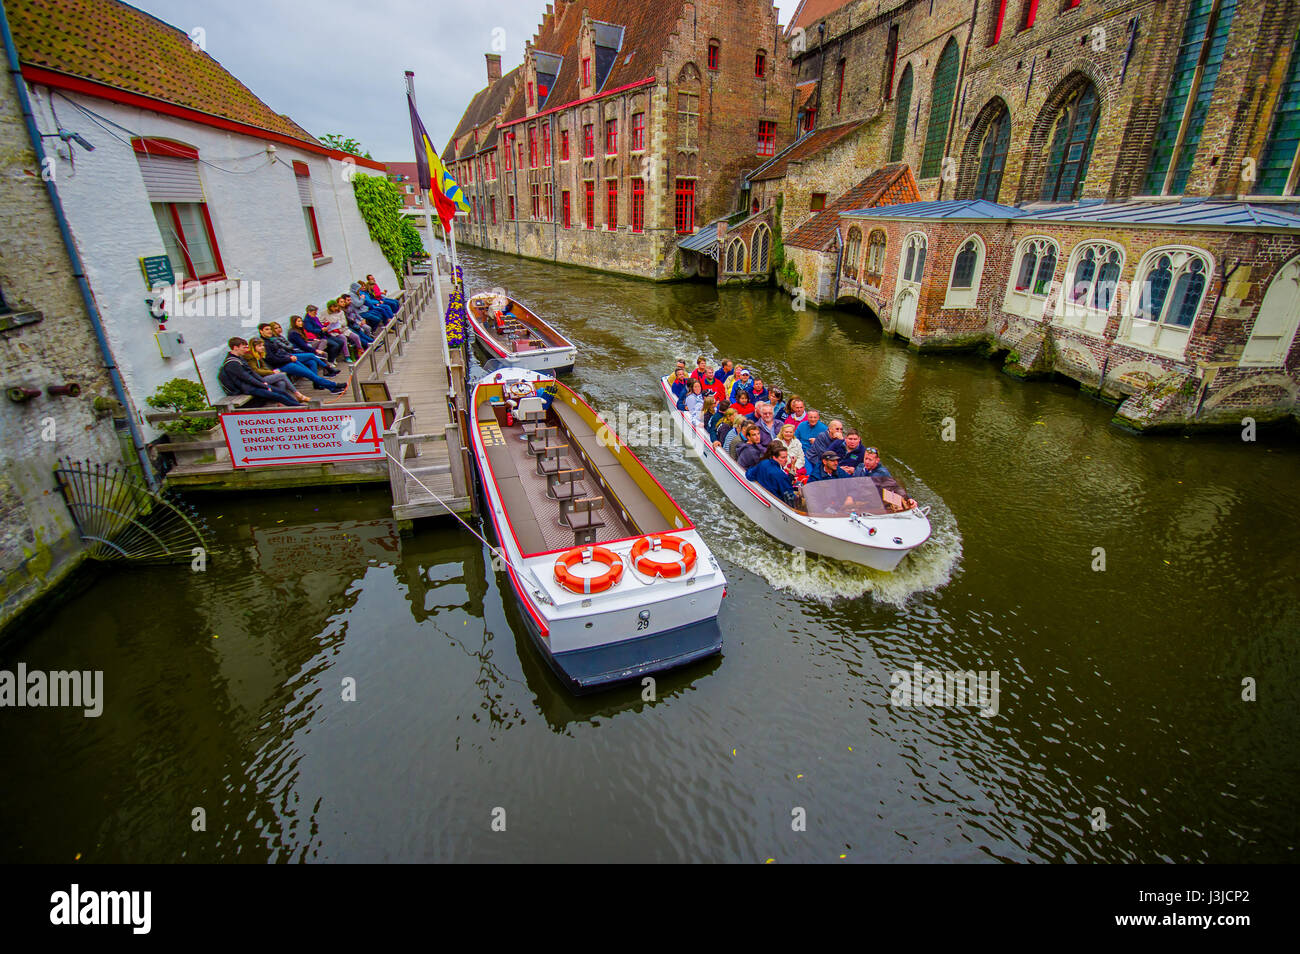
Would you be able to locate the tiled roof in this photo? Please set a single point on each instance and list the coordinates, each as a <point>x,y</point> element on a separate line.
<point>811,144</point>
<point>803,93</point>
<point>1187,214</point>
<point>809,12</point>
<point>948,209</point>
<point>484,108</point>
<point>888,185</point>
<point>119,46</point>
<point>647,27</point>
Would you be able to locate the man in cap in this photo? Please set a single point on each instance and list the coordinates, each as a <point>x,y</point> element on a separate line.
<point>829,469</point>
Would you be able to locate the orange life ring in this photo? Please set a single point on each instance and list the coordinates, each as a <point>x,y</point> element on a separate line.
<point>679,567</point>
<point>588,584</point>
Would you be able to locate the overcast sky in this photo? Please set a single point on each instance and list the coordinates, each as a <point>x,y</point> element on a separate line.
<point>335,66</point>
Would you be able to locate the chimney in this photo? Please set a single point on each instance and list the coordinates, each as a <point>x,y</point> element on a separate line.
<point>493,66</point>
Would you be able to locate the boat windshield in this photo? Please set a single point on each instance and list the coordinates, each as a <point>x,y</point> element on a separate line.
<point>865,495</point>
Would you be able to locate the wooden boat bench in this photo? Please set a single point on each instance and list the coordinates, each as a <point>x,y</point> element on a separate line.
<point>551,459</point>
<point>542,438</point>
<point>582,518</point>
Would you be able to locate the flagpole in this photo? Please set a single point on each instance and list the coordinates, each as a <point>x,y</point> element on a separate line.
<point>433,257</point>
<point>455,255</point>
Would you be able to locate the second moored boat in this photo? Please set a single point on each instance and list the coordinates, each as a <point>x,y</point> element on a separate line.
<point>516,337</point>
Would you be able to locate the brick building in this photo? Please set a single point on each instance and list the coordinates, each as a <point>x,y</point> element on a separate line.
<point>627,127</point>
<point>403,175</point>
<point>1112,192</point>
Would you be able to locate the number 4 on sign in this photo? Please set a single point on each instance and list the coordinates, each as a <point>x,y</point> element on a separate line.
<point>371,429</point>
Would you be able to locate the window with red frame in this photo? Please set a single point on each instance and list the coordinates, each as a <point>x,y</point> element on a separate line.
<point>511,209</point>
<point>810,119</point>
<point>638,205</point>
<point>588,140</point>
<point>766,137</point>
<point>564,144</point>
<point>530,92</point>
<point>509,137</point>
<point>519,150</point>
<point>1028,14</point>
<point>536,202</point>
<point>999,15</point>
<point>303,177</point>
<point>185,226</point>
<point>532,147</point>
<point>839,86</point>
<point>546,144</point>
<point>611,137</point>
<point>590,208</point>
<point>817,202</point>
<point>586,71</point>
<point>760,64</point>
<point>684,217</point>
<point>638,131</point>
<point>564,209</point>
<point>611,205</point>
<point>493,203</point>
<point>714,54</point>
<point>548,203</point>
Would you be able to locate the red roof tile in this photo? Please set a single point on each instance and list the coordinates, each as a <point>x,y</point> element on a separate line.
<point>890,185</point>
<point>809,145</point>
<point>809,12</point>
<point>117,45</point>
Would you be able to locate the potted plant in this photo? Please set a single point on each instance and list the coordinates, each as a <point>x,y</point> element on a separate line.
<point>180,395</point>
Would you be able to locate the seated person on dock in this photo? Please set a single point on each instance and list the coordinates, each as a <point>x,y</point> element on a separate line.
<point>372,286</point>
<point>304,339</point>
<point>333,325</point>
<point>828,469</point>
<point>237,377</point>
<point>769,473</point>
<point>296,365</point>
<point>752,450</point>
<point>367,300</point>
<point>357,312</point>
<point>279,351</point>
<point>357,328</point>
<point>256,360</point>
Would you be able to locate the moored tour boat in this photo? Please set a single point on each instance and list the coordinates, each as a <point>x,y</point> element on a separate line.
<point>613,579</point>
<point>516,337</point>
<point>846,519</point>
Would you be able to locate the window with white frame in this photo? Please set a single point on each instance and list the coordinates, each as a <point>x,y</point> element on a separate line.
<point>1091,281</point>
<point>967,267</point>
<point>1032,272</point>
<point>1168,290</point>
<point>911,264</point>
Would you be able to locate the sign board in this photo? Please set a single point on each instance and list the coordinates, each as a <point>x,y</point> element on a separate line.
<point>157,271</point>
<point>277,438</point>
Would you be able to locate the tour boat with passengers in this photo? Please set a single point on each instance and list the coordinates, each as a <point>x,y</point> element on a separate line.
<point>516,337</point>
<point>613,578</point>
<point>856,519</point>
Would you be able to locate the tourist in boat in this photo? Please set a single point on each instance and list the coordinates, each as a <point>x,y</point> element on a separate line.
<point>742,384</point>
<point>829,469</point>
<point>808,431</point>
<point>742,405</point>
<point>735,436</point>
<point>703,373</point>
<point>694,399</point>
<point>723,372</point>
<point>713,419</point>
<point>770,472</point>
<point>752,450</point>
<point>236,377</point>
<point>759,391</point>
<point>778,405</point>
<point>256,361</point>
<point>726,427</point>
<point>871,465</point>
<point>794,412</point>
<point>708,407</point>
<point>766,421</point>
<point>680,388</point>
<point>832,439</point>
<point>794,449</point>
<point>852,455</point>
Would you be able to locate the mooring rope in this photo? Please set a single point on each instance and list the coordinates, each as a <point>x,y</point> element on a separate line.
<point>425,488</point>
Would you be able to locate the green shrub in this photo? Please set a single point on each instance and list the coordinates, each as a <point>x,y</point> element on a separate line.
<point>180,395</point>
<point>380,205</point>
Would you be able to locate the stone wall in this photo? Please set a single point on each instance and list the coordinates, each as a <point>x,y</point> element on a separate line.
<point>39,543</point>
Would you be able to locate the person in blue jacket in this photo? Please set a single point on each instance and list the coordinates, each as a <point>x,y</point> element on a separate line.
<point>829,468</point>
<point>769,473</point>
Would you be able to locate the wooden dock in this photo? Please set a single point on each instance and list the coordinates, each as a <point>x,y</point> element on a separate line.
<point>404,373</point>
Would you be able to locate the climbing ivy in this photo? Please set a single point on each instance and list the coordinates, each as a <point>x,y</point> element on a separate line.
<point>380,205</point>
<point>778,246</point>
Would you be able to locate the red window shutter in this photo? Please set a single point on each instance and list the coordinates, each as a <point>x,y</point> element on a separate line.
<point>611,205</point>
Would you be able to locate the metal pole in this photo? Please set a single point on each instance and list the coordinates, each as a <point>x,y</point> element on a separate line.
<point>433,258</point>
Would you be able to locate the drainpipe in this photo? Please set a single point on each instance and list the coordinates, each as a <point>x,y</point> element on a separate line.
<point>74,258</point>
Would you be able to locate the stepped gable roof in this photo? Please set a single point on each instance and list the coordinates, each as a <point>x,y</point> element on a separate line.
<point>803,148</point>
<point>646,30</point>
<point>116,45</point>
<point>886,186</point>
<point>486,105</point>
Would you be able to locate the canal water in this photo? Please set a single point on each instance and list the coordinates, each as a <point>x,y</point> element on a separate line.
<point>1121,733</point>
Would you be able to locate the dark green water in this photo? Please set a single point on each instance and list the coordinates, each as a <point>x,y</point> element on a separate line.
<point>1119,690</point>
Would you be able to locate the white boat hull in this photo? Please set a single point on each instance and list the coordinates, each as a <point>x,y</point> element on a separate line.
<point>543,360</point>
<point>842,538</point>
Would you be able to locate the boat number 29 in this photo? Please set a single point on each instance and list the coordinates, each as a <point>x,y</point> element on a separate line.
<point>643,620</point>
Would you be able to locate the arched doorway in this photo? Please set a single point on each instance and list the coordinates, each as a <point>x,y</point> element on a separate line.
<point>1275,325</point>
<point>905,313</point>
